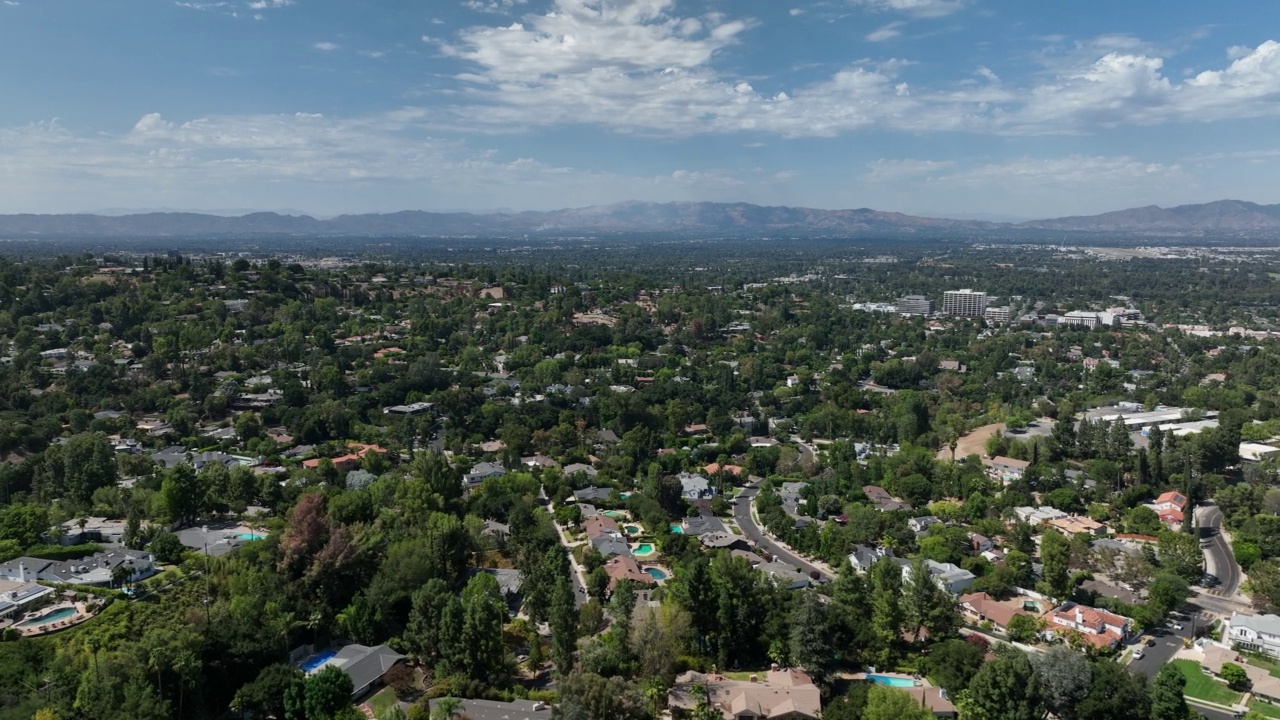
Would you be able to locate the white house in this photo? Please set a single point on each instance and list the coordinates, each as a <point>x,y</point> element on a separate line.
<point>1254,633</point>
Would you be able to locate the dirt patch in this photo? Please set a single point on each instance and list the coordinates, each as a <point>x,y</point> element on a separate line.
<point>975,443</point>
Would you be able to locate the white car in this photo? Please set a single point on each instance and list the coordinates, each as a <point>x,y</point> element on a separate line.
<point>1137,654</point>
<point>1176,626</point>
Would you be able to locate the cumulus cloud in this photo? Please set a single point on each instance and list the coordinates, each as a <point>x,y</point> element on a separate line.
<point>325,46</point>
<point>493,7</point>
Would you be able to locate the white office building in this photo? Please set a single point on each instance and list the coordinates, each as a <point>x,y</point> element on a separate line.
<point>964,303</point>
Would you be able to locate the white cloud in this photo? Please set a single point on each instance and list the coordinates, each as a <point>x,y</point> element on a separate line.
<point>887,32</point>
<point>796,12</point>
<point>493,7</point>
<point>265,4</point>
<point>325,46</point>
<point>896,170</point>
<point>12,3</point>
<point>917,8</point>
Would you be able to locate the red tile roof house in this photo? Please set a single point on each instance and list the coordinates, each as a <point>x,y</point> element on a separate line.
<point>1096,627</point>
<point>621,567</point>
<point>1170,507</point>
<point>601,526</point>
<point>350,461</point>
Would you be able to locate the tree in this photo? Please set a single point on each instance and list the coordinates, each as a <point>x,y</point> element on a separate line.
<point>1006,689</point>
<point>953,663</point>
<point>886,611</point>
<point>1065,677</point>
<point>446,708</point>
<point>586,696</point>
<point>327,693</point>
<point>1234,675</point>
<point>889,704</point>
<point>1167,701</point>
<point>562,614</point>
<point>658,637</point>
<point>484,613</point>
<point>265,696</point>
<point>925,605</point>
<point>167,548</point>
<point>1022,628</point>
<point>810,646</point>
<point>1180,554</point>
<point>1115,694</point>
<point>1055,554</point>
<point>1167,592</point>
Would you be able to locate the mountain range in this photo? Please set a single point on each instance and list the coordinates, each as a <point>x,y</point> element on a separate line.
<point>1225,216</point>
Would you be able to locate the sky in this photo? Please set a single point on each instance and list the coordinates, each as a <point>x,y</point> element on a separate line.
<point>998,109</point>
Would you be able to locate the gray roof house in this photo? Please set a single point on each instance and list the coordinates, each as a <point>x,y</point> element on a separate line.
<point>496,710</point>
<point>593,493</point>
<point>364,665</point>
<point>695,487</point>
<point>609,546</point>
<point>91,570</point>
<point>481,472</point>
<point>703,524</point>
<point>863,557</point>
<point>790,578</point>
<point>575,468</point>
<point>1254,633</point>
<point>952,578</point>
<point>723,541</point>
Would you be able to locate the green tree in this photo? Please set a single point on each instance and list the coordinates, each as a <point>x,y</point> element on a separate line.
<point>1167,701</point>
<point>586,696</point>
<point>890,704</point>
<point>1234,675</point>
<point>1023,628</point>
<point>484,613</point>
<point>167,548</point>
<point>1115,694</point>
<point>1006,689</point>
<point>1065,678</point>
<point>810,646</point>
<point>925,605</point>
<point>1055,554</point>
<point>886,609</point>
<point>953,663</point>
<point>327,693</point>
<point>1180,554</point>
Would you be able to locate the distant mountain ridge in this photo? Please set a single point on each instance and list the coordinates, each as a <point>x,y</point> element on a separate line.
<point>678,217</point>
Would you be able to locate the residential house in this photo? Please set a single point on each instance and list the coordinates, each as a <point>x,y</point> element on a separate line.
<point>1096,627</point>
<point>622,568</point>
<point>778,695</point>
<point>510,583</point>
<point>95,530</point>
<point>979,544</point>
<point>981,607</point>
<point>498,710</point>
<point>601,526</point>
<point>1007,469</point>
<point>1170,506</point>
<point>922,524</point>
<point>1076,524</point>
<point>787,575</point>
<point>1037,516</point>
<point>863,557</point>
<point>1254,633</point>
<point>576,468</point>
<point>723,541</point>
<point>695,487</point>
<point>365,665</point>
<point>15,595</point>
<point>702,525</point>
<point>592,493</point>
<point>481,472</point>
<point>952,578</point>
<point>351,460</point>
<point>539,461</point>
<point>882,500</point>
<point>933,698</point>
<point>609,546</point>
<point>95,570</point>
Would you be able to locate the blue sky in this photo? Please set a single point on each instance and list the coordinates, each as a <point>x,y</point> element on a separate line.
<point>966,108</point>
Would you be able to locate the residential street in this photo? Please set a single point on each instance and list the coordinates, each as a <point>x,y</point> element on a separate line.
<point>1168,641</point>
<point>1218,558</point>
<point>742,514</point>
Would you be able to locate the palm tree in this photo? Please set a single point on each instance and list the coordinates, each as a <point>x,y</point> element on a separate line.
<point>447,708</point>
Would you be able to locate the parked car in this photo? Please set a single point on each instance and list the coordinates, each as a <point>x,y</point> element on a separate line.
<point>1137,654</point>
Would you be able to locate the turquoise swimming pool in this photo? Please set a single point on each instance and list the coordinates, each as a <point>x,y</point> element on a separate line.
<point>677,529</point>
<point>892,681</point>
<point>55,616</point>
<point>656,573</point>
<point>644,549</point>
<point>251,536</point>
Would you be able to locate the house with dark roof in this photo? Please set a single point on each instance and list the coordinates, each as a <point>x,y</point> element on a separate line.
<point>703,524</point>
<point>787,575</point>
<point>575,468</point>
<point>723,541</point>
<point>592,493</point>
<point>365,665</point>
<point>481,472</point>
<point>497,710</point>
<point>863,557</point>
<point>611,546</point>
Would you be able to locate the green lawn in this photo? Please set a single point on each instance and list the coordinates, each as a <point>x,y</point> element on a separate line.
<point>1265,709</point>
<point>382,702</point>
<point>1203,687</point>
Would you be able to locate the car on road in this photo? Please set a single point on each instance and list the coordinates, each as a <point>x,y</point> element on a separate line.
<point>1175,626</point>
<point>1137,654</point>
<point>1151,642</point>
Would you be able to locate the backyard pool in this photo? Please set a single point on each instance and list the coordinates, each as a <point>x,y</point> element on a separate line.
<point>56,615</point>
<point>892,681</point>
<point>632,529</point>
<point>315,661</point>
<point>677,529</point>
<point>614,514</point>
<point>644,549</point>
<point>251,536</point>
<point>656,573</point>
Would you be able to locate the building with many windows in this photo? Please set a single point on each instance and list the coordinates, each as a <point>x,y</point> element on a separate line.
<point>915,305</point>
<point>965,303</point>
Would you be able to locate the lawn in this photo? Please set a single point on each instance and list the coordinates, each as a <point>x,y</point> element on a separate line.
<point>1265,709</point>
<point>382,702</point>
<point>1203,687</point>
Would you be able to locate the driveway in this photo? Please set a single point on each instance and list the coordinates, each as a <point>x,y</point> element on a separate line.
<point>1218,558</point>
<point>742,514</point>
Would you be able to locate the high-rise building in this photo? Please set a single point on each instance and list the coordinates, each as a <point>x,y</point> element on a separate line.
<point>915,305</point>
<point>964,302</point>
<point>999,314</point>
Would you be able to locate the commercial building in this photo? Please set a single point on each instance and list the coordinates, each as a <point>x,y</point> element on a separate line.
<point>964,303</point>
<point>915,305</point>
<point>1001,314</point>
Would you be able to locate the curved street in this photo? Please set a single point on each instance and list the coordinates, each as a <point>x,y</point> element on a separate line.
<point>742,515</point>
<point>1218,558</point>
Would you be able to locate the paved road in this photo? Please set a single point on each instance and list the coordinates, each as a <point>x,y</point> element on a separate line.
<point>742,514</point>
<point>1218,558</point>
<point>1167,642</point>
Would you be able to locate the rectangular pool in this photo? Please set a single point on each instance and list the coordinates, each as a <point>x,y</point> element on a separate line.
<point>316,661</point>
<point>892,681</point>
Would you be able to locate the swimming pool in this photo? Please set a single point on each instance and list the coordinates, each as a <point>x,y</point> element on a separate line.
<point>644,549</point>
<point>251,536</point>
<point>677,529</point>
<point>315,661</point>
<point>632,529</point>
<point>614,514</point>
<point>892,681</point>
<point>55,616</point>
<point>656,573</point>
